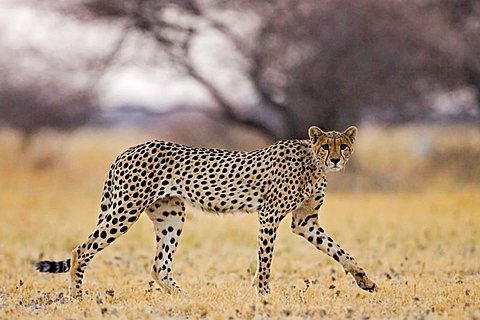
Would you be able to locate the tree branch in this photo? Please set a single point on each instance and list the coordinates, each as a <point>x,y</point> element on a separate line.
<point>215,115</point>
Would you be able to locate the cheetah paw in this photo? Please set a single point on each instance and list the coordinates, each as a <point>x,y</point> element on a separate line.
<point>170,288</point>
<point>263,292</point>
<point>263,289</point>
<point>364,282</point>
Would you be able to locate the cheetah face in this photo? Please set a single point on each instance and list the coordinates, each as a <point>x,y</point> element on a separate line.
<point>332,148</point>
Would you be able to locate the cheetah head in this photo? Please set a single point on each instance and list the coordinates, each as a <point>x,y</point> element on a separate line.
<point>332,148</point>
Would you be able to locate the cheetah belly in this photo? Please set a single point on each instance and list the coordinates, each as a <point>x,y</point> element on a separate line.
<point>221,199</point>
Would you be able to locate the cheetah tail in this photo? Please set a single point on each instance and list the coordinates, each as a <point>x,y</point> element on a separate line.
<point>53,266</point>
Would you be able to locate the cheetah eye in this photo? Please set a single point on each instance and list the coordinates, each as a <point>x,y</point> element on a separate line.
<point>343,146</point>
<point>325,146</point>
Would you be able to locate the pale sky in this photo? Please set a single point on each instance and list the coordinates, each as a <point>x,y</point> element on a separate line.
<point>23,28</point>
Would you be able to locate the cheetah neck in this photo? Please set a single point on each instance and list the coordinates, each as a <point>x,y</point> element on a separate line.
<point>313,162</point>
<point>314,168</point>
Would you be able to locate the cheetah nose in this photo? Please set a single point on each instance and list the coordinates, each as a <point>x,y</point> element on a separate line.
<point>335,160</point>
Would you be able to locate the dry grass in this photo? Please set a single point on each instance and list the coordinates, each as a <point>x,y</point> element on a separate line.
<point>422,248</point>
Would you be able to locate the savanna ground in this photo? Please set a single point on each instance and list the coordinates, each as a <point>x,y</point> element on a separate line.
<point>411,217</point>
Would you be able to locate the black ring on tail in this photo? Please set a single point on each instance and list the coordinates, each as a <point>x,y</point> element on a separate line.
<point>53,266</point>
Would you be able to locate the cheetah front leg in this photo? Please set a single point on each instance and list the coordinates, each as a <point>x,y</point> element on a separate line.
<point>305,224</point>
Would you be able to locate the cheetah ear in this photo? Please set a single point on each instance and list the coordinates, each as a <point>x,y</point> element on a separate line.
<point>314,133</point>
<point>351,133</point>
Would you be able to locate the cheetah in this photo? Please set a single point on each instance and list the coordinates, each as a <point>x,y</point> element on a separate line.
<point>160,178</point>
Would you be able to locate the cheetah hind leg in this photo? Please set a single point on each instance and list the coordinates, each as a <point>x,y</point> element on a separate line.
<point>168,216</point>
<point>107,231</point>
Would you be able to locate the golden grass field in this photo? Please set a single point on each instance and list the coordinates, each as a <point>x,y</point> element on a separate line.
<point>420,244</point>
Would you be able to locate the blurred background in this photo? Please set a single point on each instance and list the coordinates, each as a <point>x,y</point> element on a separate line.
<point>81,80</point>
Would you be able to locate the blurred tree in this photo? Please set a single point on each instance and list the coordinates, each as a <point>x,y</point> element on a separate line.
<point>325,62</point>
<point>34,106</point>
<point>50,86</point>
<point>463,16</point>
<point>352,59</point>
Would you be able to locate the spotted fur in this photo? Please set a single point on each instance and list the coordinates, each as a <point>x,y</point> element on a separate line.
<point>159,178</point>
